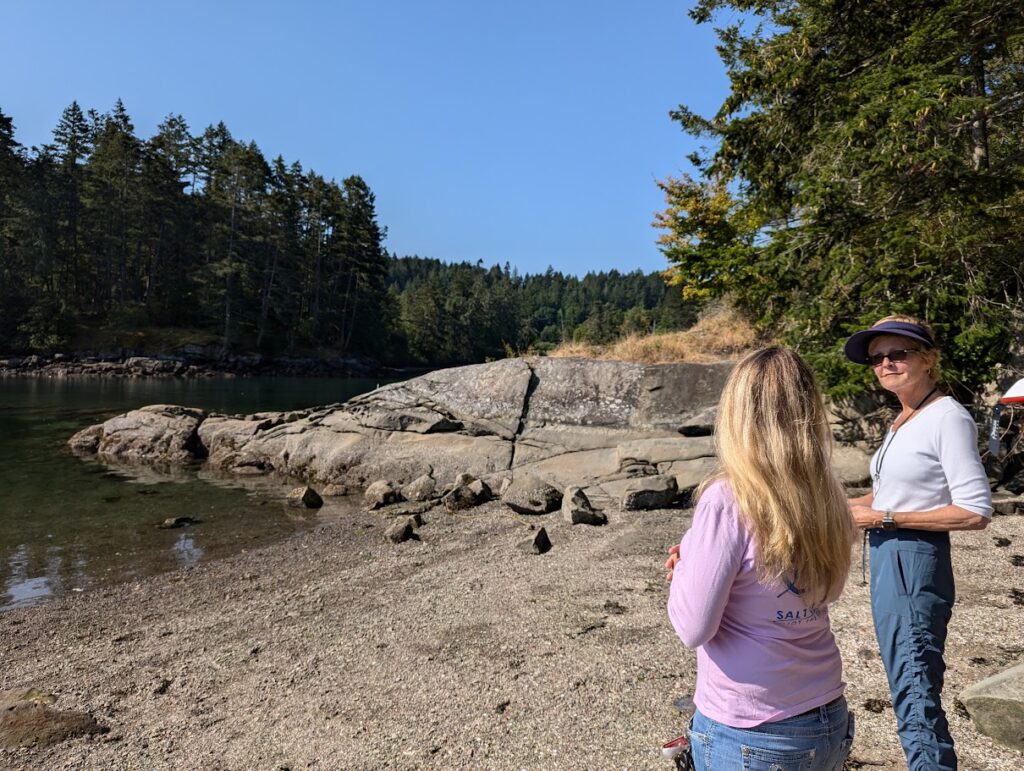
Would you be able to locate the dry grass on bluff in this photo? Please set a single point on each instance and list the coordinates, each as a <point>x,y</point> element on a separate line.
<point>721,333</point>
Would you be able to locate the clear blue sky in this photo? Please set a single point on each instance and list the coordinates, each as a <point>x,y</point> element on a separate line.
<point>530,132</point>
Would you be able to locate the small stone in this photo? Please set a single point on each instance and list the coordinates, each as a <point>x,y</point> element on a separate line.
<point>25,723</point>
<point>420,489</point>
<point>480,489</point>
<point>467,496</point>
<point>539,544</point>
<point>305,496</point>
<point>458,499</point>
<point>380,493</point>
<point>173,522</point>
<point>654,492</point>
<point>401,530</point>
<point>578,510</point>
<point>1002,543</point>
<point>463,479</point>
<point>529,495</point>
<point>162,686</point>
<point>684,704</point>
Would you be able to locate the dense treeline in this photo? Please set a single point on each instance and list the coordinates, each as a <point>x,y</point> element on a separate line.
<point>867,160</point>
<point>462,312</point>
<point>101,230</point>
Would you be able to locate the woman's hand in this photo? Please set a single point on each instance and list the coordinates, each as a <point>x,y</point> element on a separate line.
<point>670,563</point>
<point>865,516</point>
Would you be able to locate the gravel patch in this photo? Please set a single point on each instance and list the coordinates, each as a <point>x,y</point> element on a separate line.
<point>337,649</point>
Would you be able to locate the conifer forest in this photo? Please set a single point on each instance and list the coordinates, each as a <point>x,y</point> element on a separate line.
<point>199,236</point>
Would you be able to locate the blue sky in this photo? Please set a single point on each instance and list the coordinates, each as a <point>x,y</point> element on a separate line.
<point>530,132</point>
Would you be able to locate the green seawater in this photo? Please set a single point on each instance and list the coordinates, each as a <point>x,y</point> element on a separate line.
<point>71,525</point>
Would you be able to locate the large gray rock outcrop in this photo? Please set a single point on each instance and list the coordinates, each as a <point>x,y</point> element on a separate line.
<point>561,420</point>
<point>598,425</point>
<point>996,706</point>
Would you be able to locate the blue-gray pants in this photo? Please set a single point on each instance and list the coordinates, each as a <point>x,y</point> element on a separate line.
<point>912,595</point>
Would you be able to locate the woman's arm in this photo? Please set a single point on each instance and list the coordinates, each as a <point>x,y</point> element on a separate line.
<point>942,519</point>
<point>971,498</point>
<point>710,556</point>
<point>863,500</point>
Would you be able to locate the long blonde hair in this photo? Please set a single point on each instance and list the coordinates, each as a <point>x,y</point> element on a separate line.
<point>775,449</point>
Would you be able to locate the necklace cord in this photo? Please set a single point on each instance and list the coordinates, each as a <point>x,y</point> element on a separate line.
<point>892,436</point>
<point>877,477</point>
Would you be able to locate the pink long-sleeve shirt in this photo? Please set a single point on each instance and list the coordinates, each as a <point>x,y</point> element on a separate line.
<point>763,653</point>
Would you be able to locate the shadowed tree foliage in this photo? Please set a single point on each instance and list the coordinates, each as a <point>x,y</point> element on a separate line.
<point>868,160</point>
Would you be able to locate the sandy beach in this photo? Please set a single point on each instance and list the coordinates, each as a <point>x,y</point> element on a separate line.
<point>338,650</point>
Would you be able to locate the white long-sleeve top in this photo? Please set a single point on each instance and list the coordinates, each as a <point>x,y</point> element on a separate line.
<point>932,461</point>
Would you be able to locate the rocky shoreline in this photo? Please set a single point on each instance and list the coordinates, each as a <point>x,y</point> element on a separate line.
<point>495,599</point>
<point>192,364</point>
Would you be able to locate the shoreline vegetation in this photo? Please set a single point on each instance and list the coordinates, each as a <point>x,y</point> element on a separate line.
<point>720,333</point>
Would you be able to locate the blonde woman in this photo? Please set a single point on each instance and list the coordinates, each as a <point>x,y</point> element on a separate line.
<point>927,480</point>
<point>768,551</point>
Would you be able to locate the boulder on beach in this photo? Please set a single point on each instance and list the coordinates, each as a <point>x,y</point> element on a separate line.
<point>420,489</point>
<point>380,493</point>
<point>578,510</point>
<point>650,492</point>
<point>466,494</point>
<point>996,705</point>
<point>159,433</point>
<point>306,497</point>
<point>597,425</point>
<point>538,543</point>
<point>28,719</point>
<point>528,494</point>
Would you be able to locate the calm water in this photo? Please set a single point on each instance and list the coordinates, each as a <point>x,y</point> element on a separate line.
<point>68,525</point>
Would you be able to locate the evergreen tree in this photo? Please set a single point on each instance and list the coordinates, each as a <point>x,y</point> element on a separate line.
<point>867,162</point>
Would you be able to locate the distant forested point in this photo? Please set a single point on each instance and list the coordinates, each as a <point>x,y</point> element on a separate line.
<point>109,240</point>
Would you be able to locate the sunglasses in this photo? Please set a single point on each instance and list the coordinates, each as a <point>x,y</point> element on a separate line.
<point>898,355</point>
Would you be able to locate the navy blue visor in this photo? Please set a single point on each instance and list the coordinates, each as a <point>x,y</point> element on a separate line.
<point>856,348</point>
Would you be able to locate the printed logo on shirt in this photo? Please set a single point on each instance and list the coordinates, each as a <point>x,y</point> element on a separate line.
<point>792,617</point>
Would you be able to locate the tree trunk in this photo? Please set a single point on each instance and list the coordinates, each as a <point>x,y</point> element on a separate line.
<point>979,123</point>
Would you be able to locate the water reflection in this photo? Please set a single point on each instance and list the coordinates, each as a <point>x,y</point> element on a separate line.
<point>186,551</point>
<point>73,525</point>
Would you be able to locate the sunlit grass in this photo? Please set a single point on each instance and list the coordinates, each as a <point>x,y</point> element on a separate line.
<point>720,334</point>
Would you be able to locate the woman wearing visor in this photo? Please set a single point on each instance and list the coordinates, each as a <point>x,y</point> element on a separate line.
<point>927,479</point>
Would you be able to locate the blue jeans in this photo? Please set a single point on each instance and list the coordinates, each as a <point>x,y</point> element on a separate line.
<point>817,740</point>
<point>912,596</point>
